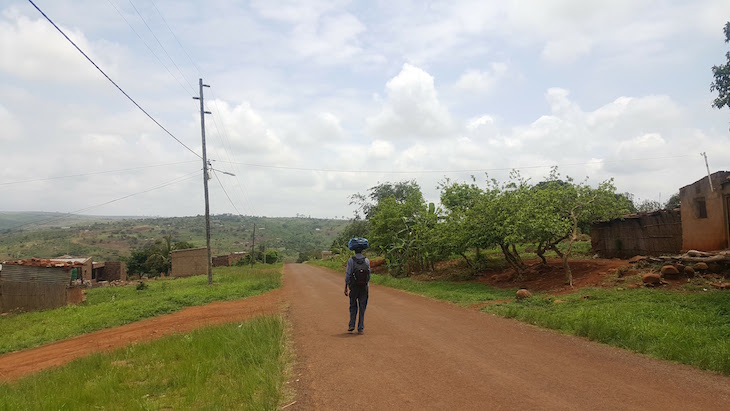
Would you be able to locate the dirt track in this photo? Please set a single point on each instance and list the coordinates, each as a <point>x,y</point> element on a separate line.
<point>423,354</point>
<point>17,364</point>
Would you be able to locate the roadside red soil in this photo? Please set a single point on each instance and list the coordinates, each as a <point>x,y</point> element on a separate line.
<point>538,277</point>
<point>18,364</point>
<point>419,353</point>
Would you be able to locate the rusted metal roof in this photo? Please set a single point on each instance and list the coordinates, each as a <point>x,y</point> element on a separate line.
<point>49,262</point>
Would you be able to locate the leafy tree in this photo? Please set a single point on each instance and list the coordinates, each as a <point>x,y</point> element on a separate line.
<point>648,206</point>
<point>673,202</point>
<point>458,230</point>
<point>721,73</point>
<point>555,210</point>
<point>402,227</point>
<point>155,258</point>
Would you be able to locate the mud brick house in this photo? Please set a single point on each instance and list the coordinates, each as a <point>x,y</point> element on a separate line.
<point>190,261</point>
<point>222,260</point>
<point>84,265</point>
<point>38,284</point>
<point>109,271</point>
<point>706,213</point>
<point>655,233</point>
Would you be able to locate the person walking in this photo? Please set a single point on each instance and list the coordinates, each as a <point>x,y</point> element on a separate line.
<point>357,279</point>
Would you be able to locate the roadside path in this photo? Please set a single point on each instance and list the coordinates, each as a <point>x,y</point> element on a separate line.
<point>418,353</point>
<point>18,364</point>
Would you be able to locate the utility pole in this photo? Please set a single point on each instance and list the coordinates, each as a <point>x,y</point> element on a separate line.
<point>205,181</point>
<point>253,245</point>
<point>704,154</point>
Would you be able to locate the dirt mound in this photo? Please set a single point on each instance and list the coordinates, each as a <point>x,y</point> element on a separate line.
<point>551,277</point>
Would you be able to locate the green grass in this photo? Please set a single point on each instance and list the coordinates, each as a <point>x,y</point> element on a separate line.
<point>463,293</point>
<point>691,328</point>
<point>236,366</point>
<point>114,306</point>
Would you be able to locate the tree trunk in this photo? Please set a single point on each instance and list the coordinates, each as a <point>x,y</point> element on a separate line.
<point>517,265</point>
<point>541,253</point>
<point>468,263</point>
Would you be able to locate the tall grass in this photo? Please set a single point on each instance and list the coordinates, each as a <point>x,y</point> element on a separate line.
<point>114,306</point>
<point>235,366</point>
<point>691,328</point>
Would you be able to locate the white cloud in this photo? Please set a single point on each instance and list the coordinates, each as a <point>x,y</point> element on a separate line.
<point>482,81</point>
<point>10,129</point>
<point>30,47</point>
<point>412,108</point>
<point>380,149</point>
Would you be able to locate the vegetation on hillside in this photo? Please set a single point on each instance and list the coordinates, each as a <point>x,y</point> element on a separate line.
<point>108,239</point>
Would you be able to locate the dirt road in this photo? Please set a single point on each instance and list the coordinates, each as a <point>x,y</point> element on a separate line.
<point>17,364</point>
<point>418,353</point>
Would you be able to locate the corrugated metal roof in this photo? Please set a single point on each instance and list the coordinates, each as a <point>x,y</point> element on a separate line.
<point>48,262</point>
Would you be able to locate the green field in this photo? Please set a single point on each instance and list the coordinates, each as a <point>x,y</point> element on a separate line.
<point>113,306</point>
<point>236,366</point>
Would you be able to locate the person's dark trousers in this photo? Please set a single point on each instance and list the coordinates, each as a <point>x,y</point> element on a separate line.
<point>358,302</point>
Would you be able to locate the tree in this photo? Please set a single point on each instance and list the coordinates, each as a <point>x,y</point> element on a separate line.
<point>673,202</point>
<point>457,231</point>
<point>721,73</point>
<point>557,208</point>
<point>648,206</point>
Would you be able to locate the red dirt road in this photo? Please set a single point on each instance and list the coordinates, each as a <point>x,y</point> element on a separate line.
<point>17,364</point>
<point>418,353</point>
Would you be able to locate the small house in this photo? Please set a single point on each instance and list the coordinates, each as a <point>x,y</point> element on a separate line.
<point>38,284</point>
<point>706,213</point>
<point>189,261</point>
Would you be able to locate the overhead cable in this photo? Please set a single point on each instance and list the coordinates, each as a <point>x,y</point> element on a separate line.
<point>331,170</point>
<point>112,81</point>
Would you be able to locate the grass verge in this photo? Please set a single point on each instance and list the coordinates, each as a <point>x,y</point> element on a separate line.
<point>114,306</point>
<point>691,328</point>
<point>462,293</point>
<point>235,366</point>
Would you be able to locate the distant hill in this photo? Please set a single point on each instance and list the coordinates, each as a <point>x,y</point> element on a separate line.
<point>26,235</point>
<point>34,220</point>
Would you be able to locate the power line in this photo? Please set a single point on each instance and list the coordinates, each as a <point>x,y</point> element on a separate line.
<point>112,81</point>
<point>330,170</point>
<point>226,193</point>
<point>222,136</point>
<point>81,210</point>
<point>150,48</point>
<point>176,39</point>
<point>159,42</point>
<point>95,173</point>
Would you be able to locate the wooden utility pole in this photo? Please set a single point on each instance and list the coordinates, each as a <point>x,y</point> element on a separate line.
<point>205,181</point>
<point>253,245</point>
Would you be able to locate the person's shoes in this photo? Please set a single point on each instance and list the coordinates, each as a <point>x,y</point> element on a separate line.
<point>349,330</point>
<point>360,331</point>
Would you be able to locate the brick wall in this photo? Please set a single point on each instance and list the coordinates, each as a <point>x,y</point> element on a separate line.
<point>193,261</point>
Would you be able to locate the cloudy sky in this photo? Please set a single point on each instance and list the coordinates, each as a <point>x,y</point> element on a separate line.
<point>312,101</point>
